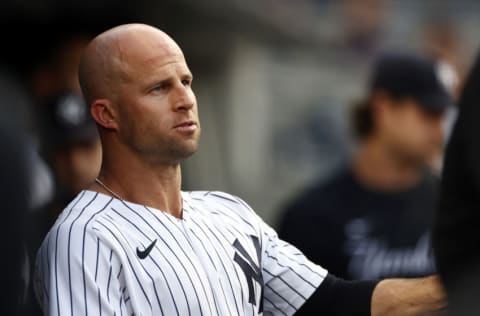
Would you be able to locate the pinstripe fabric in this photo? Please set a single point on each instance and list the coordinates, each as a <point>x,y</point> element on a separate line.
<point>219,259</point>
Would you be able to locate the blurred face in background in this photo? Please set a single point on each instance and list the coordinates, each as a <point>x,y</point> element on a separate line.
<point>76,165</point>
<point>411,133</point>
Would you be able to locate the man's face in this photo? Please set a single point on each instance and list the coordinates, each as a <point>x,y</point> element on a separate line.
<point>412,133</point>
<point>157,107</point>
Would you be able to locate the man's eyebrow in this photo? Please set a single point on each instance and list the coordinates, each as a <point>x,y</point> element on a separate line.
<point>187,75</point>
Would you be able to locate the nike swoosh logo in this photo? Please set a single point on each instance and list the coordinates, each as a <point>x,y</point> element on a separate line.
<point>142,254</point>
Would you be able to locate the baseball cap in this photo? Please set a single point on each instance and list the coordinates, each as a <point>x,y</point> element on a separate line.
<point>410,75</point>
<point>69,121</point>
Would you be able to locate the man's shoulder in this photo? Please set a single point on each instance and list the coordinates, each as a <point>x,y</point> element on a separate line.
<point>215,196</point>
<point>215,201</point>
<point>76,224</point>
<point>81,211</point>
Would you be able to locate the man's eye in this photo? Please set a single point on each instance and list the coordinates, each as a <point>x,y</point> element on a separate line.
<point>186,82</point>
<point>159,88</point>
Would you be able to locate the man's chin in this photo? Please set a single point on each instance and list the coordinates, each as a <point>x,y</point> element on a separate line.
<point>189,154</point>
<point>183,154</point>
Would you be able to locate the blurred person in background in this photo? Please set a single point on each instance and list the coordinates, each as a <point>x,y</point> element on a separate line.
<point>40,79</point>
<point>73,154</point>
<point>27,188</point>
<point>51,71</point>
<point>53,75</point>
<point>372,218</point>
<point>50,80</point>
<point>28,88</point>
<point>456,237</point>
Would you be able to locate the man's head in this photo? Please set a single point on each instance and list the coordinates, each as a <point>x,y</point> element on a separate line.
<point>138,86</point>
<point>405,106</point>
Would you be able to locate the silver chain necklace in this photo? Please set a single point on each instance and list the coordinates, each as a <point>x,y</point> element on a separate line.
<point>108,189</point>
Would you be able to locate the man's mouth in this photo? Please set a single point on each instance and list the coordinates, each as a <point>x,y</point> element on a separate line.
<point>187,126</point>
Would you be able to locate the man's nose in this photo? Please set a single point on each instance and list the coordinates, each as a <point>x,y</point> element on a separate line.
<point>184,98</point>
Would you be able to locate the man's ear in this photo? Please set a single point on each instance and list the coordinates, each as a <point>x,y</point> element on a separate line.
<point>104,113</point>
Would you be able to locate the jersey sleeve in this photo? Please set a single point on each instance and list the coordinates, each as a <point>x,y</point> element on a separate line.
<point>87,281</point>
<point>289,277</point>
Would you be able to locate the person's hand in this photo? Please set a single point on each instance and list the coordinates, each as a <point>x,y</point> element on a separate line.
<point>409,297</point>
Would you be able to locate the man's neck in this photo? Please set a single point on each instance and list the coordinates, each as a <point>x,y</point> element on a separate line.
<point>159,188</point>
<point>379,169</point>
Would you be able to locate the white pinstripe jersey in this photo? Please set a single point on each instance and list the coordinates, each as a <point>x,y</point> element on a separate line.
<point>105,256</point>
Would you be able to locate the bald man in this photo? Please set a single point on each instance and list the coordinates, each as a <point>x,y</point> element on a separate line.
<point>134,243</point>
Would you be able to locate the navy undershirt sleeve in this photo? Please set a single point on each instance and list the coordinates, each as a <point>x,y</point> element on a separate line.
<point>338,297</point>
